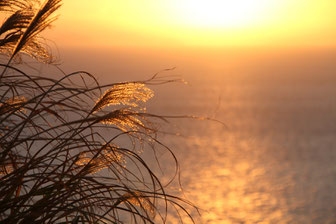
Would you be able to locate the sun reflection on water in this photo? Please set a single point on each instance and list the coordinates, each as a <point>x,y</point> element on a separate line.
<point>253,176</point>
<point>233,188</point>
<point>274,164</point>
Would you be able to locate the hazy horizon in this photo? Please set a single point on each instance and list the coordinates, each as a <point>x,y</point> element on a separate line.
<point>222,63</point>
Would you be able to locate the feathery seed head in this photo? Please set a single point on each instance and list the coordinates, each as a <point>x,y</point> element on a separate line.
<point>106,157</point>
<point>13,104</point>
<point>139,199</point>
<point>125,93</point>
<point>14,5</point>
<point>21,30</point>
<point>124,119</point>
<point>6,169</point>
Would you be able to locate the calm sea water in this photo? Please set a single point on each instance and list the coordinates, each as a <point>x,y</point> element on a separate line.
<point>274,161</point>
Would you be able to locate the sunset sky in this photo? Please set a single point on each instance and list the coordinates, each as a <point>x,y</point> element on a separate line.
<point>132,23</point>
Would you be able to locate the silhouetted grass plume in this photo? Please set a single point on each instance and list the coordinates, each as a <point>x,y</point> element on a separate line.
<point>70,153</point>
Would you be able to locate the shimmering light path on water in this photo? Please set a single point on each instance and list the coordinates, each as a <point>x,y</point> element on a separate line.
<point>274,164</point>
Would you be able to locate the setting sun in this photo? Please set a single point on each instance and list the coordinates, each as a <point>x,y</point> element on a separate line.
<point>198,23</point>
<point>223,13</point>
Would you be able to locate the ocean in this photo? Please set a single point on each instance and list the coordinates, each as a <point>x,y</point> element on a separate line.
<point>273,159</point>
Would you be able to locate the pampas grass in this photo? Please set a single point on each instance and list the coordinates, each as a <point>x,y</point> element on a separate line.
<point>14,5</point>
<point>70,153</point>
<point>21,30</point>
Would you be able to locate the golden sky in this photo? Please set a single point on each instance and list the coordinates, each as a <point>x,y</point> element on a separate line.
<point>196,23</point>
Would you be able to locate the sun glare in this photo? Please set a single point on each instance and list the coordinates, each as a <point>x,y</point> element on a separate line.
<point>198,22</point>
<point>223,13</point>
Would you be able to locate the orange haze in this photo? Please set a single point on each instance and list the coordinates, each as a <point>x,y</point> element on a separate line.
<point>158,23</point>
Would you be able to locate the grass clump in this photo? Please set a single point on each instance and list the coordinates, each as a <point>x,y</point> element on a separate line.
<point>70,153</point>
